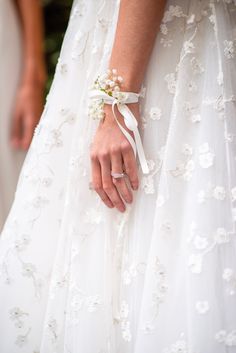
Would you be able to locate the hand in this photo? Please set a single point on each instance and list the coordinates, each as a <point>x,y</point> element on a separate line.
<point>111,151</point>
<point>28,109</point>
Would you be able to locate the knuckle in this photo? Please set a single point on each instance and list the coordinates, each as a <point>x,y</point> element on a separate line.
<point>103,155</point>
<point>125,146</point>
<point>115,149</point>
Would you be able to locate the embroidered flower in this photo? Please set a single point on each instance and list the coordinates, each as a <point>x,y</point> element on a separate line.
<point>229,339</point>
<point>93,302</point>
<point>220,336</point>
<point>147,184</point>
<point>21,340</point>
<point>173,11</point>
<point>155,113</point>
<point>171,82</point>
<point>195,118</point>
<point>219,193</point>
<point>228,274</point>
<point>233,194</point>
<point>229,49</point>
<point>196,66</point>
<point>206,157</point>
<point>189,47</point>
<point>195,263</point>
<point>221,236</point>
<point>202,307</point>
<point>187,149</point>
<point>163,29</point>
<point>28,269</point>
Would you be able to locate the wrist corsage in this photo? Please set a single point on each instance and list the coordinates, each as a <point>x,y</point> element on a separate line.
<point>107,89</point>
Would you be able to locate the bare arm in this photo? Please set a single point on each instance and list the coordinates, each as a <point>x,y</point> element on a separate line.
<point>30,95</point>
<point>137,27</point>
<point>33,35</point>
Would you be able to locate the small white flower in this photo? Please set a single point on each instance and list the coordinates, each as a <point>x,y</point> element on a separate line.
<point>189,47</point>
<point>229,50</point>
<point>192,86</point>
<point>197,66</point>
<point>173,11</point>
<point>151,164</point>
<point>202,307</point>
<point>219,193</point>
<point>164,29</point>
<point>195,118</point>
<point>233,194</point>
<point>171,82</point>
<point>206,160</point>
<point>148,328</point>
<point>221,236</point>
<point>21,340</point>
<point>126,334</point>
<point>16,313</point>
<point>28,269</point>
<point>230,339</point>
<point>124,310</point>
<point>191,19</point>
<point>93,302</point>
<point>220,336</point>
<point>147,184</point>
<point>195,263</point>
<point>187,149</point>
<point>201,197</point>
<point>206,157</point>
<point>155,113</point>
<point>228,274</point>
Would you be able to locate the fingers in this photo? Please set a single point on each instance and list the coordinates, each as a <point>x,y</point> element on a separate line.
<point>97,181</point>
<point>130,164</point>
<point>120,183</point>
<point>107,183</point>
<point>16,129</point>
<point>28,131</point>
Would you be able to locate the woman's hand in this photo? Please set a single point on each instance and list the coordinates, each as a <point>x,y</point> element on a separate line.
<point>28,109</point>
<point>111,152</point>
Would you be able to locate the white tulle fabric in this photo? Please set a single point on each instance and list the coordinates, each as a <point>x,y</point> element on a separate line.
<point>78,277</point>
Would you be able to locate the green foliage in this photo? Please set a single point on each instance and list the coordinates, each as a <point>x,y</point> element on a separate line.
<point>56,14</point>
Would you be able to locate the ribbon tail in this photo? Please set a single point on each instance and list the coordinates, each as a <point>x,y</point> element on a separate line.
<point>125,132</point>
<point>132,124</point>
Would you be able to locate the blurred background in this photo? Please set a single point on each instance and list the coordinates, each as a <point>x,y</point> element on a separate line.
<point>56,15</point>
<point>26,73</point>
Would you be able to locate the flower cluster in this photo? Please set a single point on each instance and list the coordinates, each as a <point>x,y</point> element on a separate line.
<point>109,83</point>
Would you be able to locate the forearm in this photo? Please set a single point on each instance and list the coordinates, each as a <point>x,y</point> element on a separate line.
<point>33,34</point>
<point>137,27</point>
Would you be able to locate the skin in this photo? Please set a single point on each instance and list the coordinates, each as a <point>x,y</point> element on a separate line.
<point>30,94</point>
<point>137,27</point>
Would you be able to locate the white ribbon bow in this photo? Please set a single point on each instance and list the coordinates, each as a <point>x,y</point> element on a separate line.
<point>130,121</point>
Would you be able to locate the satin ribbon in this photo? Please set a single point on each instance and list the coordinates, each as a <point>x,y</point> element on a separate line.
<point>129,120</point>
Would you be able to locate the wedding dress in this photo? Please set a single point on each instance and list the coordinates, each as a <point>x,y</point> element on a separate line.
<point>10,67</point>
<point>77,277</point>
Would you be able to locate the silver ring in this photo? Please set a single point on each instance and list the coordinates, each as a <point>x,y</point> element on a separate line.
<point>118,175</point>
